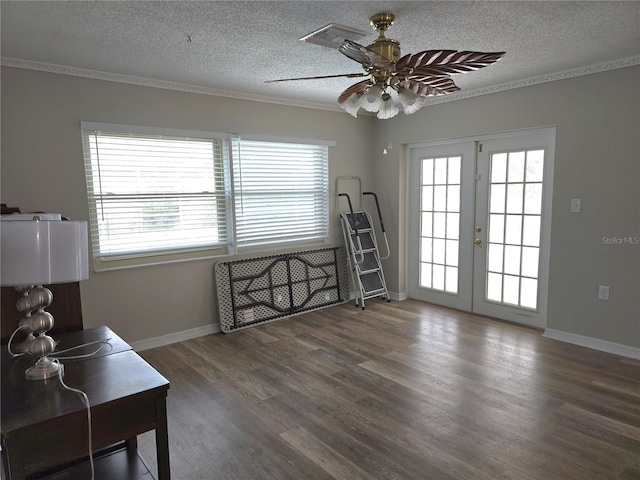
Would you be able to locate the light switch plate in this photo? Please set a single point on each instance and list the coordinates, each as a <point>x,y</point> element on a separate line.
<point>576,205</point>
<point>603,292</point>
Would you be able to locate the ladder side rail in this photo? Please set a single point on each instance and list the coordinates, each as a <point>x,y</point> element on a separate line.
<point>355,228</point>
<point>384,233</point>
<point>351,261</point>
<point>337,186</point>
<point>383,291</point>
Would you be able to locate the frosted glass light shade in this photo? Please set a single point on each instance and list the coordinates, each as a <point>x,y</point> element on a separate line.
<point>410,101</point>
<point>371,101</point>
<point>43,252</point>
<point>388,109</point>
<point>352,104</point>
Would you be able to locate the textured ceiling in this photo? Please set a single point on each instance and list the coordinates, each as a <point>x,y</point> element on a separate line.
<point>234,45</point>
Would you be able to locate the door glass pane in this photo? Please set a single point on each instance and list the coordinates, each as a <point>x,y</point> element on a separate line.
<point>451,279</point>
<point>496,256</point>
<point>514,198</point>
<point>533,198</point>
<point>516,167</point>
<point>535,161</point>
<point>427,224</point>
<point>427,198</point>
<point>427,171</point>
<point>496,204</point>
<point>494,287</point>
<point>511,290</point>
<point>531,230</point>
<point>455,164</point>
<point>453,225</point>
<point>512,259</point>
<point>530,262</point>
<point>529,293</point>
<point>440,171</point>
<point>496,228</point>
<point>438,277</point>
<point>513,231</point>
<point>439,224</point>
<point>453,198</point>
<point>451,256</point>
<point>425,275</point>
<point>438,250</point>
<point>440,198</point>
<point>499,168</point>
<point>513,255</point>
<point>440,229</point>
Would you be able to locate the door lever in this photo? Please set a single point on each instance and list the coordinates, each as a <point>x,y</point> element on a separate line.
<point>478,242</point>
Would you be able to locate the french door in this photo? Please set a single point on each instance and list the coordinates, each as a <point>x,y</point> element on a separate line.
<point>479,216</point>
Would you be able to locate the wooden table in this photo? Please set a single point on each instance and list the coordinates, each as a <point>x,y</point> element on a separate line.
<point>44,426</point>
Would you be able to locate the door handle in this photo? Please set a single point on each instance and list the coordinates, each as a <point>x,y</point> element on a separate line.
<point>478,242</point>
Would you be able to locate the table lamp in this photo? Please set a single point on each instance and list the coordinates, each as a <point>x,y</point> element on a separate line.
<point>37,250</point>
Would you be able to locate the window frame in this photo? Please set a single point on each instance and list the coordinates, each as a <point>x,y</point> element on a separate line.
<point>105,262</point>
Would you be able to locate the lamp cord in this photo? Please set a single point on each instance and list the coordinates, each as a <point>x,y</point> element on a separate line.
<point>86,402</point>
<point>87,355</point>
<point>11,339</point>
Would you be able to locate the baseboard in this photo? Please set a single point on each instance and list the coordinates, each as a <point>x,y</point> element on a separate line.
<point>399,296</point>
<point>595,343</point>
<point>206,330</point>
<point>175,337</point>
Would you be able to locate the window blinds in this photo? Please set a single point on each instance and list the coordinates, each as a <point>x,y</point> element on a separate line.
<point>155,192</point>
<point>281,192</point>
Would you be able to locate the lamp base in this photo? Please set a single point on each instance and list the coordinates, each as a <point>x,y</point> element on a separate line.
<point>43,369</point>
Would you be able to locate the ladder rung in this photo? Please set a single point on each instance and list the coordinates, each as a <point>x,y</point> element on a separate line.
<point>371,270</point>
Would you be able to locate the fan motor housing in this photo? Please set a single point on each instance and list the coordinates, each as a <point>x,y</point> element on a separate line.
<point>387,47</point>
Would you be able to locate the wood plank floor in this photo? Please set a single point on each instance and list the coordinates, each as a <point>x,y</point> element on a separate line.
<point>402,390</point>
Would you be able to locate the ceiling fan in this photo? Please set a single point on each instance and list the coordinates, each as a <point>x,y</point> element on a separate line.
<point>413,77</point>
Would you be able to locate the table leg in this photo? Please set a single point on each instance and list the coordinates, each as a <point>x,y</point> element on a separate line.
<point>162,440</point>
<point>131,445</point>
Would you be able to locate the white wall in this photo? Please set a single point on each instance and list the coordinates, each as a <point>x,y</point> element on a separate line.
<point>598,129</point>
<point>597,159</point>
<point>42,169</point>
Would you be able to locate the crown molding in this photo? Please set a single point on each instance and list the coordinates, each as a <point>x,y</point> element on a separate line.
<point>150,82</point>
<point>183,87</point>
<point>552,77</point>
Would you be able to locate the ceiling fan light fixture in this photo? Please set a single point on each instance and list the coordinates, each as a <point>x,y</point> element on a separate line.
<point>411,102</point>
<point>352,104</point>
<point>372,101</point>
<point>388,108</point>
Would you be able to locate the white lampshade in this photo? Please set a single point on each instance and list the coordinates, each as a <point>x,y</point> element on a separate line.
<point>371,101</point>
<point>388,108</point>
<point>352,104</point>
<point>410,101</point>
<point>42,252</point>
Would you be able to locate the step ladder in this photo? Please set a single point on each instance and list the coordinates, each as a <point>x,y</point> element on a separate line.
<point>363,255</point>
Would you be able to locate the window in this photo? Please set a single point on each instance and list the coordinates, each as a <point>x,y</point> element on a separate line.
<point>165,195</point>
<point>281,192</point>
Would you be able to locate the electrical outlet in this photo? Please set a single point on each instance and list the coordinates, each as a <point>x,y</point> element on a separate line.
<point>279,299</point>
<point>327,296</point>
<point>603,292</point>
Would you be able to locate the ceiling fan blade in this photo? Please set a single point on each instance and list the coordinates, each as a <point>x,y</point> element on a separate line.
<point>359,87</point>
<point>427,85</point>
<point>365,56</point>
<point>446,62</point>
<point>347,75</point>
